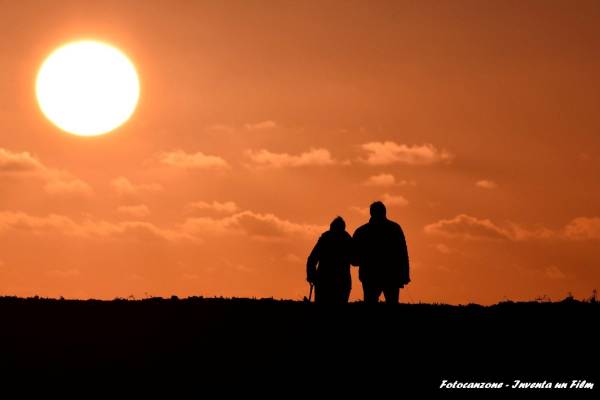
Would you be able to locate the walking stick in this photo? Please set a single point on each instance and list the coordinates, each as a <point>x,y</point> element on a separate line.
<point>307,300</point>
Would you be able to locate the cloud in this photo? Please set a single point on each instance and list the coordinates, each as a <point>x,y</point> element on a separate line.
<point>87,228</point>
<point>468,227</point>
<point>404,182</point>
<point>11,162</point>
<point>138,211</point>
<point>313,157</point>
<point>553,272</point>
<point>394,200</point>
<point>25,222</point>
<point>264,125</point>
<point>124,186</point>
<point>190,277</point>
<point>220,128</point>
<point>520,233</point>
<point>225,207</point>
<point>383,153</point>
<point>269,225</point>
<point>257,225</point>
<point>64,273</point>
<point>360,210</point>
<point>583,228</point>
<point>293,258</point>
<point>262,226</point>
<point>68,187</point>
<point>486,184</point>
<point>57,182</point>
<point>199,160</point>
<point>442,248</point>
<point>381,180</point>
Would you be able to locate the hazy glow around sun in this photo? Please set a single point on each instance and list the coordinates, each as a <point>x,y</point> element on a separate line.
<point>87,88</point>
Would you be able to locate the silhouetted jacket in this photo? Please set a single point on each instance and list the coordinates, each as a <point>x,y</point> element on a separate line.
<point>332,253</point>
<point>381,254</point>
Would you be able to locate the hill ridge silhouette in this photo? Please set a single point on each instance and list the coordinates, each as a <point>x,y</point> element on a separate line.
<point>217,341</point>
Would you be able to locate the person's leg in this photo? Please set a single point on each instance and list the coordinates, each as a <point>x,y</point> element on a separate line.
<point>318,294</point>
<point>391,294</point>
<point>371,293</point>
<point>336,294</point>
<point>327,293</point>
<point>345,293</point>
<point>323,293</point>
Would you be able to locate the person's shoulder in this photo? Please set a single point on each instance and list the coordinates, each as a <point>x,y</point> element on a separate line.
<point>361,229</point>
<point>394,225</point>
<point>325,235</point>
<point>336,235</point>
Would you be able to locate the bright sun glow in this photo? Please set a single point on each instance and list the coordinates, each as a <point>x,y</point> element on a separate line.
<point>87,88</point>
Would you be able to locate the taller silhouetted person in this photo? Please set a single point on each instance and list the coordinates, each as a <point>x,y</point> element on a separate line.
<point>382,257</point>
<point>328,265</point>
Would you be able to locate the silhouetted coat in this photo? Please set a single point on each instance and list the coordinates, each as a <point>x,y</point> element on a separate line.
<point>380,252</point>
<point>328,266</point>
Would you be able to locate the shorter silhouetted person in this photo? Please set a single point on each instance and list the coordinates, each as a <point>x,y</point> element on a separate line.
<point>328,265</point>
<point>382,257</point>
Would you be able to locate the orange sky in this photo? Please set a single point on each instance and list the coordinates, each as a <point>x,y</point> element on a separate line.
<point>259,122</point>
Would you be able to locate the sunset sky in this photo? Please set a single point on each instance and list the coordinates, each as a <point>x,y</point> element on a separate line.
<point>476,122</point>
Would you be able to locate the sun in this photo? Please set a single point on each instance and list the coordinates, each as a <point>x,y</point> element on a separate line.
<point>87,88</point>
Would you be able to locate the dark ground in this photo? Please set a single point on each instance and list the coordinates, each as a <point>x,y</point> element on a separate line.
<point>262,345</point>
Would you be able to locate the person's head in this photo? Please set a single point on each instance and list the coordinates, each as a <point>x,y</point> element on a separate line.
<point>338,225</point>
<point>377,210</point>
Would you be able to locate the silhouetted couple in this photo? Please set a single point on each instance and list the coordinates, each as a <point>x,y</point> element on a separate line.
<point>379,250</point>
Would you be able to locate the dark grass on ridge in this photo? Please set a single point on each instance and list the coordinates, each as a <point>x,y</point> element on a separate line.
<point>261,341</point>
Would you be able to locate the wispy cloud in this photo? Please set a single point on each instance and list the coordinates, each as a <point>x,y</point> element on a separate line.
<point>64,273</point>
<point>313,157</point>
<point>383,153</point>
<point>394,200</point>
<point>87,228</point>
<point>137,211</point>
<point>381,180</point>
<point>583,228</point>
<point>262,226</point>
<point>224,207</point>
<point>469,227</point>
<point>263,125</point>
<point>57,182</point>
<point>486,184</point>
<point>199,160</point>
<point>385,179</point>
<point>257,225</point>
<point>364,211</point>
<point>68,187</point>
<point>15,162</point>
<point>220,128</point>
<point>124,186</point>
<point>553,272</point>
<point>442,248</point>
<point>293,259</point>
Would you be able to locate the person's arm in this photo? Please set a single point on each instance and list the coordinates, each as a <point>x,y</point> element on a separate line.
<point>355,249</point>
<point>404,262</point>
<point>311,263</point>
